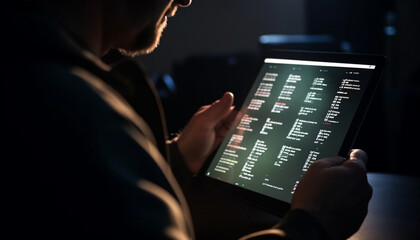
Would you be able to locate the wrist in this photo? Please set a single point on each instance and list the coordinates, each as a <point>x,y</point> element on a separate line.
<point>303,224</point>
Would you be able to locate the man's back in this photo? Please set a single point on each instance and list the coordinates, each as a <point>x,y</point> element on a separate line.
<point>71,165</point>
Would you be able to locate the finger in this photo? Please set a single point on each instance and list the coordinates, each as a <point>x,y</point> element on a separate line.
<point>223,127</point>
<point>358,154</point>
<point>202,109</point>
<point>358,157</point>
<point>218,110</point>
<point>229,119</point>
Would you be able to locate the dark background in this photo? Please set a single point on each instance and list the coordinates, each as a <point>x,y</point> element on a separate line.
<point>212,47</point>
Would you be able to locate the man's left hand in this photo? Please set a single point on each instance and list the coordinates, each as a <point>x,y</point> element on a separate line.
<point>205,131</point>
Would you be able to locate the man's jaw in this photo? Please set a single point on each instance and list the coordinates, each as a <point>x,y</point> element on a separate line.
<point>171,11</point>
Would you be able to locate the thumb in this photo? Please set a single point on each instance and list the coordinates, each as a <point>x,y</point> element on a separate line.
<point>218,110</point>
<point>358,157</point>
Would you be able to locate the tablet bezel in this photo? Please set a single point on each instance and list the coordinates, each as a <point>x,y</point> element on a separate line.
<point>279,207</point>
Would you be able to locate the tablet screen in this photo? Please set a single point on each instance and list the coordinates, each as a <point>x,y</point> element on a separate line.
<point>296,112</point>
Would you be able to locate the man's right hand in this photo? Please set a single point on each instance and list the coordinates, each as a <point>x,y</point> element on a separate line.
<point>336,191</point>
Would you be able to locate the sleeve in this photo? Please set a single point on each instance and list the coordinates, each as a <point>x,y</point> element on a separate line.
<point>177,163</point>
<point>298,224</point>
<point>112,181</point>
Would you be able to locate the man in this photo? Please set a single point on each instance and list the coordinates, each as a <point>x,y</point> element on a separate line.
<point>86,153</point>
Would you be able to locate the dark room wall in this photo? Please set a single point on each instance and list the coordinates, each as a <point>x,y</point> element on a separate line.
<point>391,28</point>
<point>211,26</point>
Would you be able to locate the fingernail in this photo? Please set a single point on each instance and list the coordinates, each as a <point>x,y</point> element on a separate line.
<point>358,154</point>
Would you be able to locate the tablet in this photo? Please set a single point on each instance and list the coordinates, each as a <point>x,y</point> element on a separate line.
<point>302,107</point>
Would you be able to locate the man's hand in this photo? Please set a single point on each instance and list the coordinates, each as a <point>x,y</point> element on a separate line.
<point>336,191</point>
<point>205,131</point>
